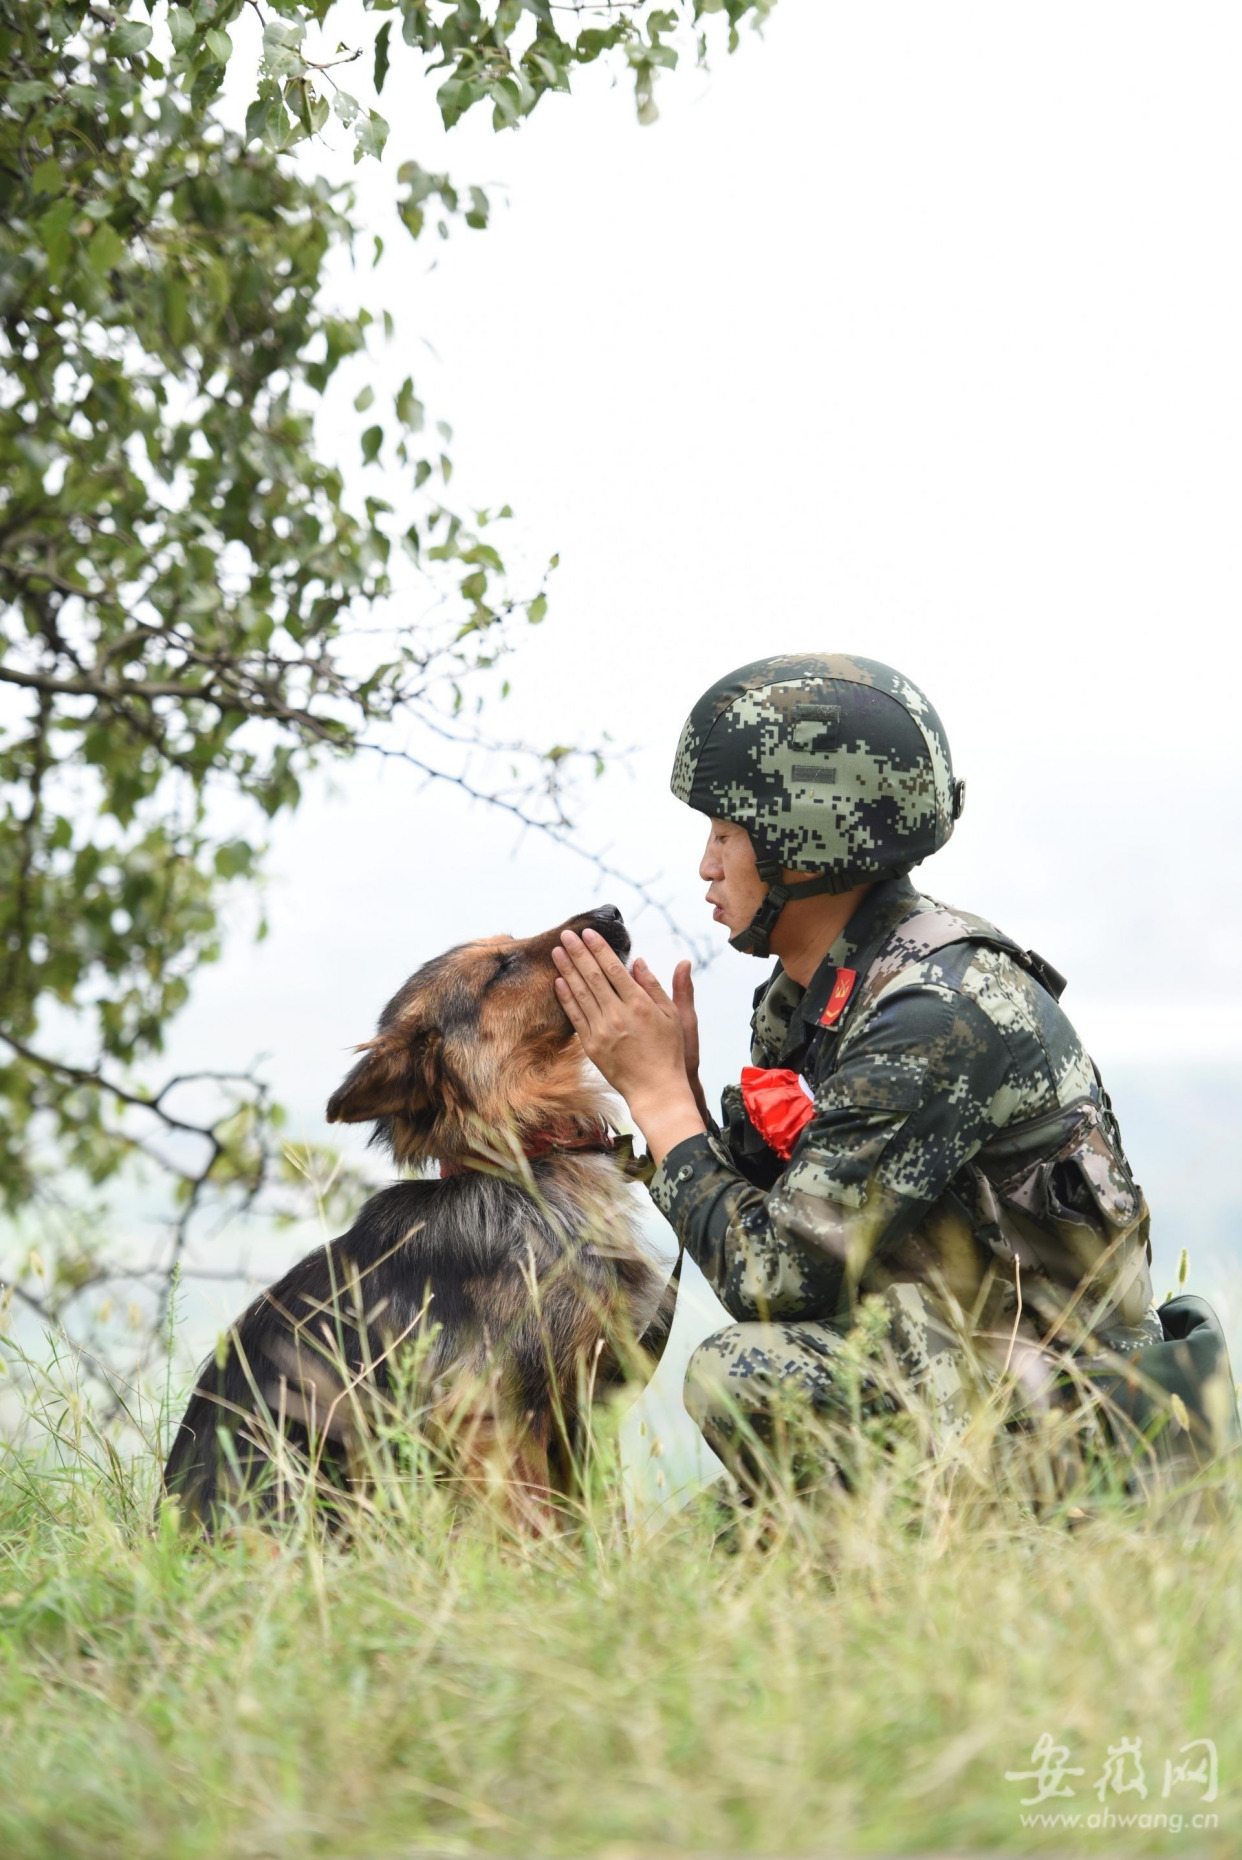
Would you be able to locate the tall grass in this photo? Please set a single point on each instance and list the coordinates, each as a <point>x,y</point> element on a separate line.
<point>835,1672</point>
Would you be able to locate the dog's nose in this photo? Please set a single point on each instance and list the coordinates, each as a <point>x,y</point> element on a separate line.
<point>607,914</point>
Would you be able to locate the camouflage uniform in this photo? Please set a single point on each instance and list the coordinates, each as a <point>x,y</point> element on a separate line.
<point>960,1144</point>
<point>961,1159</point>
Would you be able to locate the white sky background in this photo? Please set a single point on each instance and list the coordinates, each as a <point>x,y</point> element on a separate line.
<point>913,332</point>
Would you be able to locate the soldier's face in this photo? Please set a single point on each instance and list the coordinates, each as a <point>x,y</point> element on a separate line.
<point>734,887</point>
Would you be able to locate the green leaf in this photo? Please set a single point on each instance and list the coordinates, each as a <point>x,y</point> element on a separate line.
<point>129,40</point>
<point>235,859</point>
<point>372,440</point>
<point>307,108</point>
<point>277,128</point>
<point>537,609</point>
<point>55,237</point>
<point>381,55</point>
<point>364,399</point>
<point>409,407</point>
<point>346,107</point>
<point>176,304</point>
<point>219,44</point>
<point>370,135</point>
<point>281,41</point>
<point>455,96</point>
<point>26,91</point>
<point>181,26</point>
<point>105,248</point>
<point>47,177</point>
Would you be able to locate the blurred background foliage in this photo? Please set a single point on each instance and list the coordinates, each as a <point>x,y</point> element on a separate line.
<point>196,600</point>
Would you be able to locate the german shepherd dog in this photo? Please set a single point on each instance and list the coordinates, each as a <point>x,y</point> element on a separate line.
<point>516,1284</point>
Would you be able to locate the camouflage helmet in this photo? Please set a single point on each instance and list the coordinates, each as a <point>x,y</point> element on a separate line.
<point>834,765</point>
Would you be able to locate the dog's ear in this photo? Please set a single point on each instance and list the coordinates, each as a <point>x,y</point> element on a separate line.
<point>396,1076</point>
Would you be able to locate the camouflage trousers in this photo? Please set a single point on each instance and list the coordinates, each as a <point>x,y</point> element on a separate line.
<point>760,1392</point>
<point>748,1387</point>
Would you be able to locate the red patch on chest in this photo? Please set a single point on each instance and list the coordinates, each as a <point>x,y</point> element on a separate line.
<point>776,1105</point>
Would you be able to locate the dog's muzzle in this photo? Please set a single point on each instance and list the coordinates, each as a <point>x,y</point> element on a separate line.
<point>607,919</point>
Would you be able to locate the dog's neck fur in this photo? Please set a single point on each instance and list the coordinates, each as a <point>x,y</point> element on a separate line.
<point>558,1106</point>
<point>569,1137</point>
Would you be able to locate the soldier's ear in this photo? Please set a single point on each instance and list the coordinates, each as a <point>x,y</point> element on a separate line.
<point>396,1076</point>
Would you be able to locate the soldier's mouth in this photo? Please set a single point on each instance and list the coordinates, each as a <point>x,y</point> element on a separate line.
<point>717,909</point>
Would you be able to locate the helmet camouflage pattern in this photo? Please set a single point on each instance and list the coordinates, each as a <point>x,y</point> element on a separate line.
<point>833,764</point>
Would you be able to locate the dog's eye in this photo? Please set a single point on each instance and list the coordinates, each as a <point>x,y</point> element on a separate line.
<point>503,964</point>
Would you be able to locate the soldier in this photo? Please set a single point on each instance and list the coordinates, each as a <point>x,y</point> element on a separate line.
<point>919,1121</point>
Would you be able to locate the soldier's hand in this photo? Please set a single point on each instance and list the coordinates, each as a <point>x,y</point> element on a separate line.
<point>683,1001</point>
<point>633,1032</point>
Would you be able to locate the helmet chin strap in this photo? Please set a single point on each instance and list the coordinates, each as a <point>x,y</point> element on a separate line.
<point>756,938</point>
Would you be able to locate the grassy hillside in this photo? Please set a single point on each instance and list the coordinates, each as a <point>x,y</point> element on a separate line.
<point>842,1674</point>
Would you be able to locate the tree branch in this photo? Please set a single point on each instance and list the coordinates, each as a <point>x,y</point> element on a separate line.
<point>704,954</point>
<point>97,1080</point>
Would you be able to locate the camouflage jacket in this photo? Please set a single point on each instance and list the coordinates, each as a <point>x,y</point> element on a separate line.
<point>960,1137</point>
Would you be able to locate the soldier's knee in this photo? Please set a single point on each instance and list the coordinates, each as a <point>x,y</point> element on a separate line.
<point>709,1394</point>
<point>751,1389</point>
<point>745,1372</point>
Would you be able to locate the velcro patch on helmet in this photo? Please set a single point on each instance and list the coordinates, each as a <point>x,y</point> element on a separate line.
<point>812,771</point>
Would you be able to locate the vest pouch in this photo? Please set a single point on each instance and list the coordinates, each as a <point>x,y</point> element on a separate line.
<point>1071,1217</point>
<point>761,1165</point>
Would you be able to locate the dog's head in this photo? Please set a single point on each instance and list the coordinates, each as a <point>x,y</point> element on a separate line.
<point>476,1048</point>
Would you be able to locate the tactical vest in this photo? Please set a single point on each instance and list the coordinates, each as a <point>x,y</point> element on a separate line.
<point>1051,1198</point>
